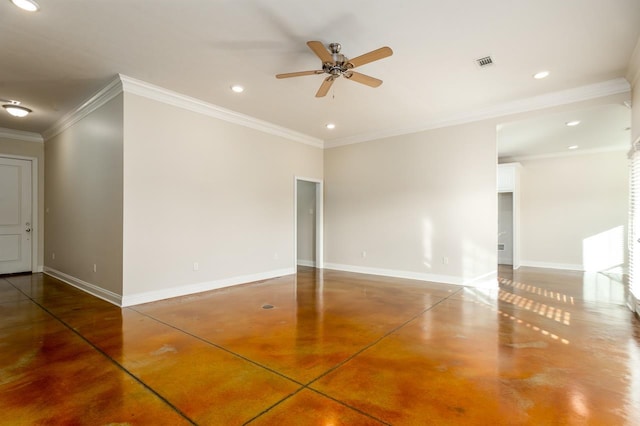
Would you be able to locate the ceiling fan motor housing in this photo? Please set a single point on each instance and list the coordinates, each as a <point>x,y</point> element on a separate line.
<point>340,62</point>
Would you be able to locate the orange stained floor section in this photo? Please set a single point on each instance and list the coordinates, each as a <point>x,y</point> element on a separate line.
<point>324,348</point>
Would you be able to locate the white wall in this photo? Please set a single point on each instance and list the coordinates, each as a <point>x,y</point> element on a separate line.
<point>9,146</point>
<point>306,222</point>
<point>562,258</point>
<point>407,202</point>
<point>574,211</point>
<point>186,188</point>
<point>201,190</point>
<point>83,199</point>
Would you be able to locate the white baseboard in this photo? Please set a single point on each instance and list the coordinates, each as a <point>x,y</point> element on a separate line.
<point>38,269</point>
<point>302,262</point>
<point>486,280</point>
<point>550,265</point>
<point>152,296</point>
<point>92,289</point>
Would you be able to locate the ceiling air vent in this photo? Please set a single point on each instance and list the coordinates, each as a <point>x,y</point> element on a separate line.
<point>484,62</point>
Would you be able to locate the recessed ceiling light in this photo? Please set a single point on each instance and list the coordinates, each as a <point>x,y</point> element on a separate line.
<point>28,5</point>
<point>17,110</point>
<point>573,147</point>
<point>540,75</point>
<point>237,88</point>
<point>572,123</point>
<point>331,126</point>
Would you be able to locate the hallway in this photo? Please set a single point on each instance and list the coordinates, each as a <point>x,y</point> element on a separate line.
<point>326,348</point>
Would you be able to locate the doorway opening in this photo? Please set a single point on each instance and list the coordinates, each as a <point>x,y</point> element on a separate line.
<point>505,228</point>
<point>308,234</point>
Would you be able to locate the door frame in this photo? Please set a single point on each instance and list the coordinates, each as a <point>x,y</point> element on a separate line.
<point>509,181</point>
<point>34,207</point>
<point>319,220</point>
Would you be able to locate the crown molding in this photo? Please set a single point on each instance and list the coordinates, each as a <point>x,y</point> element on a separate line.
<point>127,84</point>
<point>574,153</point>
<point>20,135</point>
<point>123,83</point>
<point>110,91</point>
<point>150,91</point>
<point>563,97</point>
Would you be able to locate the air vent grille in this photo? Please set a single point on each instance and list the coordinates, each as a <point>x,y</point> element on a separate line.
<point>484,61</point>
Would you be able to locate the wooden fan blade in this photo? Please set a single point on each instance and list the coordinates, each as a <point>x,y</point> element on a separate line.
<point>325,86</point>
<point>364,79</point>
<point>320,51</point>
<point>374,55</point>
<point>299,74</point>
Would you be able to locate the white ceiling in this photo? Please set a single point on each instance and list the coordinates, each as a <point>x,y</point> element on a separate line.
<point>56,58</point>
<point>601,128</point>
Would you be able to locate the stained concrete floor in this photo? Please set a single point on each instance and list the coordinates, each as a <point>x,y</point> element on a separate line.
<point>324,348</point>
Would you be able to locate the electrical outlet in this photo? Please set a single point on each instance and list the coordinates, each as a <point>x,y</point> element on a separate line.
<point>445,260</point>
<point>196,266</point>
<point>95,268</point>
<point>275,256</point>
<point>364,254</point>
<point>53,256</point>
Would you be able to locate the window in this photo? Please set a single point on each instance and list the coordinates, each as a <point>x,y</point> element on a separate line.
<point>634,226</point>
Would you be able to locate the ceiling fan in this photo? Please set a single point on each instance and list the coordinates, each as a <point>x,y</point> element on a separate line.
<point>336,64</point>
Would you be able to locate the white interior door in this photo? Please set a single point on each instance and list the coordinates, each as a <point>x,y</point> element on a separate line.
<point>15,215</point>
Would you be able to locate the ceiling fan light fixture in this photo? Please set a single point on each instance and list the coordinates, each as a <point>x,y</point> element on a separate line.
<point>28,5</point>
<point>572,123</point>
<point>17,110</point>
<point>573,147</point>
<point>331,126</point>
<point>237,88</point>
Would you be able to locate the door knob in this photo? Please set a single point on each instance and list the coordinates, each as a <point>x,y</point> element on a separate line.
<point>28,229</point>
<point>28,225</point>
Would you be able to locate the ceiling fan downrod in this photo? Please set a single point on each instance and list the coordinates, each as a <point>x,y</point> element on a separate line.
<point>340,63</point>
